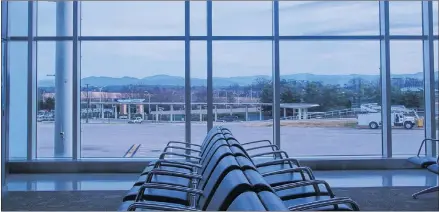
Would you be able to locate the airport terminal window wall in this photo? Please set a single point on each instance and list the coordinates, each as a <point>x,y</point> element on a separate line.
<point>407,85</point>
<point>138,68</point>
<point>327,119</point>
<point>436,67</point>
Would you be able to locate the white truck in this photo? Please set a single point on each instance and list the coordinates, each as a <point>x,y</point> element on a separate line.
<point>373,120</point>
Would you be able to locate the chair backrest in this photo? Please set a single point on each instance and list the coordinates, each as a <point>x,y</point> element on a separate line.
<point>237,149</point>
<point>212,133</point>
<point>208,156</point>
<point>224,129</point>
<point>247,201</point>
<point>225,179</point>
<point>271,201</point>
<point>231,186</point>
<point>211,142</point>
<point>221,153</point>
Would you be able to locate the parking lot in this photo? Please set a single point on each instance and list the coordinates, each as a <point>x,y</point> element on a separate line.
<point>115,139</point>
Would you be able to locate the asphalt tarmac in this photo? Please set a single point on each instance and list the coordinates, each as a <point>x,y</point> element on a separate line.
<point>116,140</point>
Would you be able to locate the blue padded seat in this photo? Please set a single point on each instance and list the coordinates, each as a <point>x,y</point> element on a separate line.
<point>434,168</point>
<point>422,161</point>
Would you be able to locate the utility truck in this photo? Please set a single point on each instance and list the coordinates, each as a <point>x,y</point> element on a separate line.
<point>400,117</point>
<point>373,120</point>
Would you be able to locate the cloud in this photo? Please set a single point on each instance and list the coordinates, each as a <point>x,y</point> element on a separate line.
<point>239,58</point>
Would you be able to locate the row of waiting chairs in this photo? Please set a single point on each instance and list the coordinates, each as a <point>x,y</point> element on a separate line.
<point>221,174</point>
<point>428,162</point>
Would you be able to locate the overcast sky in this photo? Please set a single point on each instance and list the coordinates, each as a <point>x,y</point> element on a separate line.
<point>236,58</point>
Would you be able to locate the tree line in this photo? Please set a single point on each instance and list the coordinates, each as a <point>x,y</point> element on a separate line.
<point>336,97</point>
<point>329,97</point>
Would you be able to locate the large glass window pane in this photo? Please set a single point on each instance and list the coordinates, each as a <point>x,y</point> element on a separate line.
<point>46,68</point>
<point>127,90</point>
<point>18,18</point>
<point>47,17</point>
<point>329,17</point>
<point>407,97</point>
<point>198,16</point>
<point>435,18</point>
<point>199,91</point>
<point>18,91</point>
<point>405,17</point>
<point>325,86</point>
<point>242,85</point>
<point>242,18</point>
<point>132,18</point>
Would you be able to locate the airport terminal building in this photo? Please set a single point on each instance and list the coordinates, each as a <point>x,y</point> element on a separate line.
<point>220,105</point>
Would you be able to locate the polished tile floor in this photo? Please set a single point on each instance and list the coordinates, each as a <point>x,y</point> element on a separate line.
<point>337,179</point>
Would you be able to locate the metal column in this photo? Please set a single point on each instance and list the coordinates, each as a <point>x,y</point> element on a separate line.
<point>276,75</point>
<point>4,150</point>
<point>187,74</point>
<point>76,115</point>
<point>209,67</point>
<point>385,79</point>
<point>63,81</point>
<point>31,81</point>
<point>428,59</point>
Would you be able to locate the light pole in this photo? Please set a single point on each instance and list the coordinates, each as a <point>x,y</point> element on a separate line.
<point>88,104</point>
<point>227,99</point>
<point>100,101</point>
<point>172,96</point>
<point>149,102</point>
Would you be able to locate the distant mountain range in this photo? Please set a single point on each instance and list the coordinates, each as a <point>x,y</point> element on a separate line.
<point>222,81</point>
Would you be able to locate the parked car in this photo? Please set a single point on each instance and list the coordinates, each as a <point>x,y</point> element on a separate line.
<point>137,120</point>
<point>228,119</point>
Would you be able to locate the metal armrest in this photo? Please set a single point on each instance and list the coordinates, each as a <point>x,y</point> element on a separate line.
<point>158,206</point>
<point>254,142</point>
<point>183,148</point>
<point>144,186</point>
<point>274,153</point>
<point>280,161</point>
<point>273,147</point>
<point>190,176</point>
<point>172,162</point>
<point>181,142</point>
<point>322,203</point>
<point>423,142</point>
<point>305,183</point>
<point>162,156</point>
<point>157,165</point>
<point>289,170</point>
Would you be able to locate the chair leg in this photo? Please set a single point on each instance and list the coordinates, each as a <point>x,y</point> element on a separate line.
<point>425,191</point>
